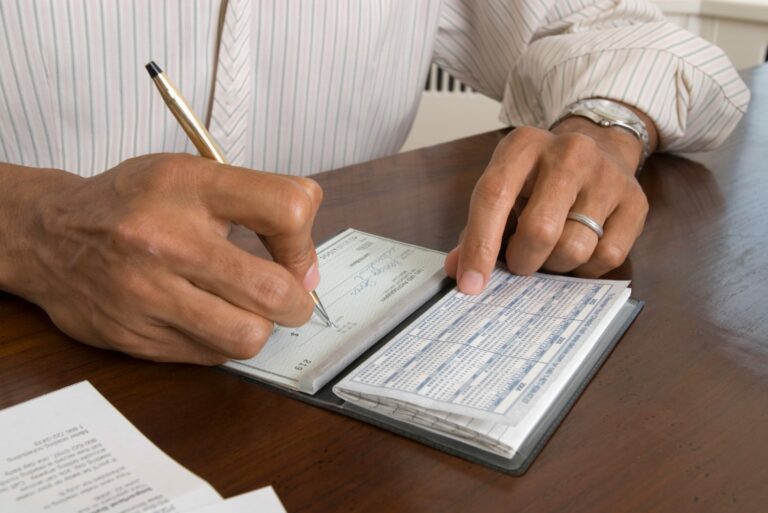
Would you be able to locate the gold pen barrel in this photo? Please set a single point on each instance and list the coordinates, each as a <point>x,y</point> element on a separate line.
<point>202,140</point>
<point>194,128</point>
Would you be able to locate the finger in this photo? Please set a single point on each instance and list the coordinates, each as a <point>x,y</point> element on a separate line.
<point>577,241</point>
<point>490,205</point>
<point>165,344</point>
<point>279,208</point>
<point>622,229</point>
<point>298,256</point>
<point>452,258</point>
<point>152,342</point>
<point>452,262</point>
<point>215,323</point>
<point>541,222</point>
<point>294,249</point>
<point>248,282</point>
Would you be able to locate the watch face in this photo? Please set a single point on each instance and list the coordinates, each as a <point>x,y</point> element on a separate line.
<point>609,110</point>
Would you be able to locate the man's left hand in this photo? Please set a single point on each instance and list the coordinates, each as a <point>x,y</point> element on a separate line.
<point>577,166</point>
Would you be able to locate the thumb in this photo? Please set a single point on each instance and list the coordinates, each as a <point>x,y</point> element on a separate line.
<point>294,248</point>
<point>297,255</point>
<point>280,209</point>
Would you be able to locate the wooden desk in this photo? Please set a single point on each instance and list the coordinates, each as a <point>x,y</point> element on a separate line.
<point>675,421</point>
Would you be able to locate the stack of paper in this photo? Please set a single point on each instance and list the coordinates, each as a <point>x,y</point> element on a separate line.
<point>72,451</point>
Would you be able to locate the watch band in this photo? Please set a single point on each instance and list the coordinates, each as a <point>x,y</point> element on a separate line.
<point>609,113</point>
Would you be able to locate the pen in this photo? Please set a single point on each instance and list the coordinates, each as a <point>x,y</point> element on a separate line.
<point>203,140</point>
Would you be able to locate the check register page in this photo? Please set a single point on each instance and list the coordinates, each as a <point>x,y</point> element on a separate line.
<point>484,369</point>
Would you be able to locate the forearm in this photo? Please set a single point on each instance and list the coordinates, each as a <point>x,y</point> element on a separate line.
<point>24,192</point>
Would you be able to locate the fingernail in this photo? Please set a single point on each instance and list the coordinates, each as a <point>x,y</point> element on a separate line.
<point>471,282</point>
<point>312,278</point>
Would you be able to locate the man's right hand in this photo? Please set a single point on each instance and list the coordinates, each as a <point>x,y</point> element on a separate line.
<point>137,259</point>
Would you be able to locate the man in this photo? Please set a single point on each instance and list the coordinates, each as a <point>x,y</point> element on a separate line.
<point>127,250</point>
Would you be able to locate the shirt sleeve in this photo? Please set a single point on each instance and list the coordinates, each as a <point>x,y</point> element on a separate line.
<point>538,56</point>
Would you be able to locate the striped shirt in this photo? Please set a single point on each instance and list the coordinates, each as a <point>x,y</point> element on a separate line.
<point>303,86</point>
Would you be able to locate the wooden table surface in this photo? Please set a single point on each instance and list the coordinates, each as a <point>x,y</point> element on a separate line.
<point>676,420</point>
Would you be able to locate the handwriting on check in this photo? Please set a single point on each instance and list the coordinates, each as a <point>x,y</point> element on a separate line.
<point>366,276</point>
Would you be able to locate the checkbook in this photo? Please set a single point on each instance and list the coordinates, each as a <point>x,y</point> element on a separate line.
<point>487,378</point>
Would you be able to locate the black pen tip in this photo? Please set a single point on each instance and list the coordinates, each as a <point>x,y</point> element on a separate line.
<point>153,69</point>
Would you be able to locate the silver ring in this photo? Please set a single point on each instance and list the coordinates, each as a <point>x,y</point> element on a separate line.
<point>587,221</point>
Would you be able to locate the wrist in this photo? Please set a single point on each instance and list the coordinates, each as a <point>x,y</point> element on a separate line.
<point>25,199</point>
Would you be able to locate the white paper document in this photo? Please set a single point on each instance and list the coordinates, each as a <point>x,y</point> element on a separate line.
<point>369,285</point>
<point>484,368</point>
<point>263,500</point>
<point>71,451</point>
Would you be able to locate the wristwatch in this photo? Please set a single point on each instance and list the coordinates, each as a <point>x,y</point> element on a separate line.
<point>608,113</point>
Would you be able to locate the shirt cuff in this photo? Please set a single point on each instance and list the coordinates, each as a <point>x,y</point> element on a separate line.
<point>685,85</point>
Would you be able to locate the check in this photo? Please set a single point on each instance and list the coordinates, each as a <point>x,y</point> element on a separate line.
<point>370,284</point>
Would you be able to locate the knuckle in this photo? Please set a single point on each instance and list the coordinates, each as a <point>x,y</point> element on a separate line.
<point>248,338</point>
<point>575,143</point>
<point>491,189</point>
<point>525,133</point>
<point>576,151</point>
<point>610,255</point>
<point>521,139</point>
<point>296,207</point>
<point>540,231</point>
<point>574,251</point>
<point>134,230</point>
<point>274,292</point>
<point>301,314</point>
<point>641,199</point>
<point>481,250</point>
<point>296,259</point>
<point>138,233</point>
<point>164,169</point>
<point>244,350</point>
<point>312,188</point>
<point>169,161</point>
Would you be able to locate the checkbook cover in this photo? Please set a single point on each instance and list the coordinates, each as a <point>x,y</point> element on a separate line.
<point>519,463</point>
